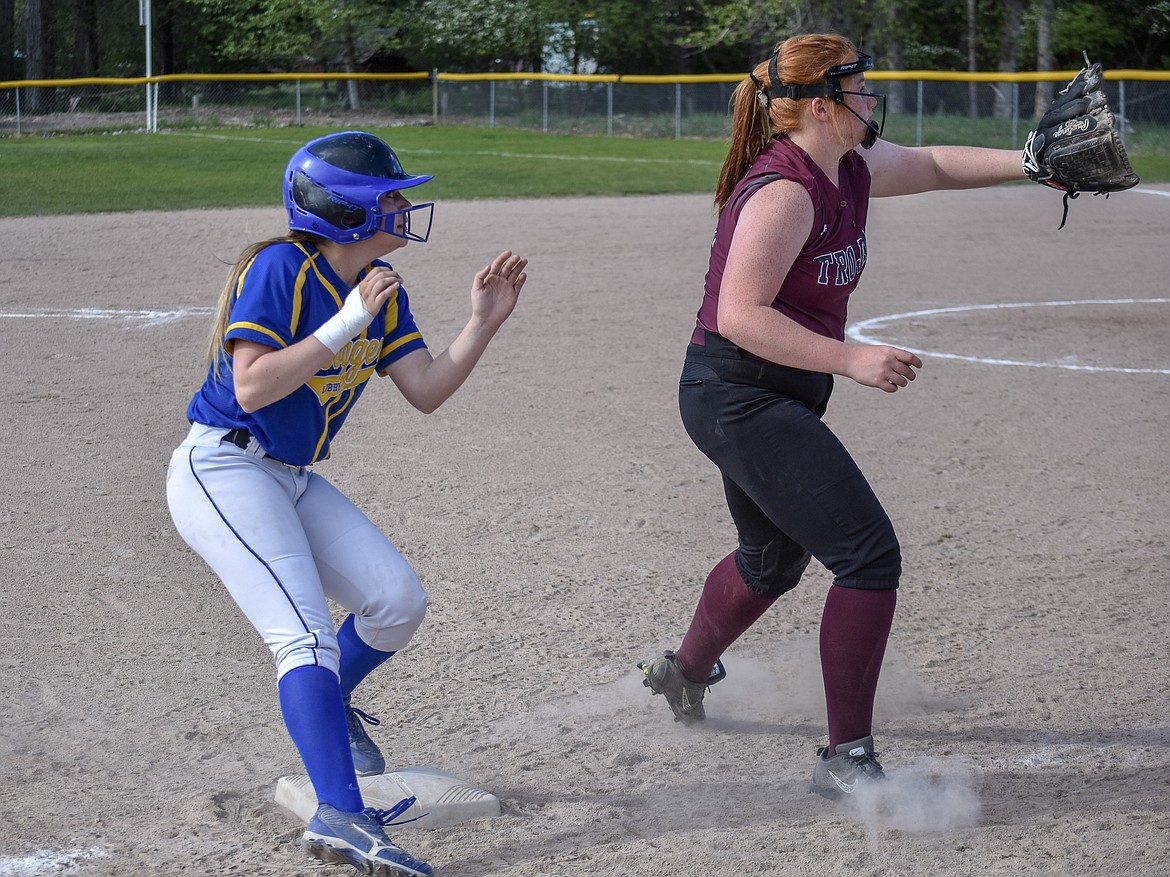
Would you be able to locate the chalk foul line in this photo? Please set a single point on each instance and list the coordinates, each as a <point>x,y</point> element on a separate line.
<point>134,316</point>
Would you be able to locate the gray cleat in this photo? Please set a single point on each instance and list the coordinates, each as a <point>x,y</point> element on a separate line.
<point>359,839</point>
<point>367,758</point>
<point>854,767</point>
<point>662,675</point>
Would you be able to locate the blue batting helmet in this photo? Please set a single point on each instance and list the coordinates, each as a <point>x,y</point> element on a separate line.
<point>333,186</point>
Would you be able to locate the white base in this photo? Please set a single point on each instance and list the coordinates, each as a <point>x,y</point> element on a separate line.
<point>440,799</point>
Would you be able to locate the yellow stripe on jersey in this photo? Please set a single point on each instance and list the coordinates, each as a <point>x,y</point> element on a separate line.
<point>243,274</point>
<point>298,300</point>
<point>391,316</point>
<point>346,398</point>
<point>229,343</point>
<point>256,327</point>
<point>390,348</point>
<point>320,276</point>
<point>311,262</point>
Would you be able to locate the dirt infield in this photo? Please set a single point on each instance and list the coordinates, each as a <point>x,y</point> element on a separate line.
<point>563,524</point>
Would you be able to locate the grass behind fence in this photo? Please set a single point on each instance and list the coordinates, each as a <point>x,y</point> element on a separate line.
<point>240,167</point>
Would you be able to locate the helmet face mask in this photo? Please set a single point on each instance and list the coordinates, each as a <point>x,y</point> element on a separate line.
<point>387,222</point>
<point>333,187</point>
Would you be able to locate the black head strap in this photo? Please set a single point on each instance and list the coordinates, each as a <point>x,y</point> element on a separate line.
<point>831,87</point>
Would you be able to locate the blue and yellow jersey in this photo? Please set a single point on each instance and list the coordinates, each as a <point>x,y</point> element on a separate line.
<point>286,293</point>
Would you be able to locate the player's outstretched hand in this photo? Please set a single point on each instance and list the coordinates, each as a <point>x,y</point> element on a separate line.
<point>886,368</point>
<point>496,288</point>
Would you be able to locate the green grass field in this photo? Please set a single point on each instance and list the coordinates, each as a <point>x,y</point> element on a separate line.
<point>235,167</point>
<point>239,168</point>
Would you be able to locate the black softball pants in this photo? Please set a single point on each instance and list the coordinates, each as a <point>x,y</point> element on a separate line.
<point>793,490</point>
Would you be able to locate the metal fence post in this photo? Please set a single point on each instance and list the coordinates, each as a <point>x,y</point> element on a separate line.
<point>144,21</point>
<point>609,108</point>
<point>434,95</point>
<point>678,111</point>
<point>492,104</point>
<point>18,111</point>
<point>544,106</point>
<point>1015,112</point>
<point>298,103</point>
<point>1121,107</point>
<point>919,114</point>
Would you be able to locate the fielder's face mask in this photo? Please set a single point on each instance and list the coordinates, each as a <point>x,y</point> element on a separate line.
<point>831,88</point>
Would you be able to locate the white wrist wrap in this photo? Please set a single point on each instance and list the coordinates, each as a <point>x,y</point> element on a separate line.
<point>342,328</point>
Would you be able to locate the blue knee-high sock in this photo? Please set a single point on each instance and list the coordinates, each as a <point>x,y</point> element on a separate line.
<point>358,659</point>
<point>310,699</point>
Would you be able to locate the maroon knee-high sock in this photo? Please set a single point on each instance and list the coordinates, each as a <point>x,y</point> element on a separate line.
<point>854,630</point>
<point>726,609</point>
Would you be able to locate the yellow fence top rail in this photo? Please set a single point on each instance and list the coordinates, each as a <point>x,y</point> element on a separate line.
<point>212,77</point>
<point>633,78</point>
<point>539,77</point>
<point>1029,76</point>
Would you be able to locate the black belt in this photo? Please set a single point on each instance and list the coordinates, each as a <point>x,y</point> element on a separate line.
<point>241,438</point>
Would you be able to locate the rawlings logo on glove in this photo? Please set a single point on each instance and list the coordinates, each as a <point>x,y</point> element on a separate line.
<point>1076,146</point>
<point>1073,127</point>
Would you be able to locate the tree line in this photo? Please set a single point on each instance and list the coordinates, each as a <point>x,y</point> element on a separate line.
<point>53,39</point>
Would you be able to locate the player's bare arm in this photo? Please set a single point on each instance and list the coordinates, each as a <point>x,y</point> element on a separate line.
<point>264,374</point>
<point>771,229</point>
<point>909,170</point>
<point>427,382</point>
<point>772,225</point>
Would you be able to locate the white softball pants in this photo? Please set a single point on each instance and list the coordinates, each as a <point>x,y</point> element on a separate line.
<point>284,541</point>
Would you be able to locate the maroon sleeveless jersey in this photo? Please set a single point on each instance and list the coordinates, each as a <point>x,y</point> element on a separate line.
<point>816,291</point>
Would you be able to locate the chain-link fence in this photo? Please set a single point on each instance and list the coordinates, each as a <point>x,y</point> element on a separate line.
<point>984,110</point>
